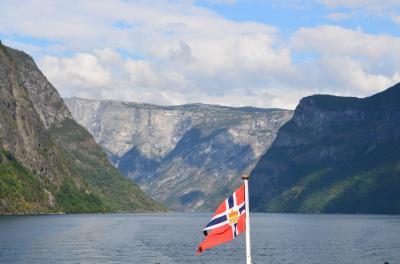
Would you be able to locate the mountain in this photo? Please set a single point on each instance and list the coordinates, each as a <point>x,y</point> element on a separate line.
<point>337,155</point>
<point>187,156</point>
<point>49,163</point>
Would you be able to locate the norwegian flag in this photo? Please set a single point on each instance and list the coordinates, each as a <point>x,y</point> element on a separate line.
<point>227,222</point>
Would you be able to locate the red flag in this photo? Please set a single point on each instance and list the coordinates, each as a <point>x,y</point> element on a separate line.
<point>227,222</point>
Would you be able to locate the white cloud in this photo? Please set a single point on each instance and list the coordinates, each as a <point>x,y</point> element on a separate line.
<point>372,5</point>
<point>346,76</point>
<point>338,16</point>
<point>81,70</point>
<point>174,52</point>
<point>337,40</point>
<point>350,62</point>
<point>105,74</point>
<point>395,19</point>
<point>382,9</point>
<point>226,2</point>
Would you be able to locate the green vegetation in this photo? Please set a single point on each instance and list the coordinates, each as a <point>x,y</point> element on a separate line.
<point>101,187</point>
<point>369,184</point>
<point>106,190</point>
<point>73,200</point>
<point>337,155</point>
<point>59,169</point>
<point>20,191</point>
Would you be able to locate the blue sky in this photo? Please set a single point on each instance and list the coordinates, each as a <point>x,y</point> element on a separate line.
<point>289,17</point>
<point>260,53</point>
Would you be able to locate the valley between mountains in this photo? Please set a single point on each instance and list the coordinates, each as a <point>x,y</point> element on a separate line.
<point>188,157</point>
<point>330,155</point>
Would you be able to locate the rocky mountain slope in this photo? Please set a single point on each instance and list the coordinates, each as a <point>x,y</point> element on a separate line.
<point>188,156</point>
<point>337,155</point>
<point>49,163</point>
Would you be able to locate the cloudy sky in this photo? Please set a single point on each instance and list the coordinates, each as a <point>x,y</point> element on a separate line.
<point>232,52</point>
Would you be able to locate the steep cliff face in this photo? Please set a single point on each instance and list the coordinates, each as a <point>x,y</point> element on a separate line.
<point>187,156</point>
<point>336,155</point>
<point>49,163</point>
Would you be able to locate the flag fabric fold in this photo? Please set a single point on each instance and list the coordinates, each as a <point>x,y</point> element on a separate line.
<point>228,221</point>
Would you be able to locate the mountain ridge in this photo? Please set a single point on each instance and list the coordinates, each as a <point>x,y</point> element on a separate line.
<point>49,163</point>
<point>180,154</point>
<point>336,155</point>
<point>188,106</point>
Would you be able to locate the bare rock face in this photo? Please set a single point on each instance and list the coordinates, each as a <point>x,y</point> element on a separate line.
<point>22,132</point>
<point>48,162</point>
<point>187,156</point>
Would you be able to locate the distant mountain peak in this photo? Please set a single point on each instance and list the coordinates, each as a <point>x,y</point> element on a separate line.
<point>189,106</point>
<point>181,154</point>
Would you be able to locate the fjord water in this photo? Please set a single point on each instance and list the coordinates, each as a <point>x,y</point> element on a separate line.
<point>173,238</point>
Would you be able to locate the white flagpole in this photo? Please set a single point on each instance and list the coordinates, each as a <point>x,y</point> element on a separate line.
<point>246,178</point>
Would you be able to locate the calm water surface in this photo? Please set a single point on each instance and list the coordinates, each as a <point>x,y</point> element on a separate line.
<point>173,238</point>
